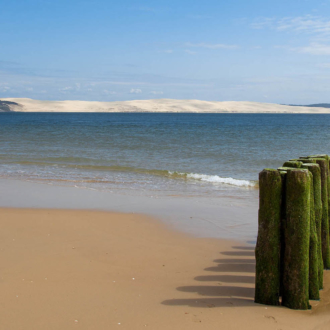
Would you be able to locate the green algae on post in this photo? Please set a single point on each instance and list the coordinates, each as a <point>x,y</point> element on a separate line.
<point>315,170</point>
<point>303,160</point>
<point>268,242</point>
<point>284,169</point>
<point>314,285</point>
<point>318,156</point>
<point>323,163</point>
<point>297,235</point>
<point>307,160</point>
<point>296,164</point>
<point>283,217</point>
<point>328,180</point>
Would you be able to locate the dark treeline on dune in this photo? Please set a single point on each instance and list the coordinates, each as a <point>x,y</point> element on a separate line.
<point>5,106</point>
<point>318,105</point>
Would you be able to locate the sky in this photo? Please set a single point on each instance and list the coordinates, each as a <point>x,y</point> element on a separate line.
<point>101,50</point>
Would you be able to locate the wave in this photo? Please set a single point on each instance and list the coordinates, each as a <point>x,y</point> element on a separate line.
<point>213,179</point>
<point>218,179</point>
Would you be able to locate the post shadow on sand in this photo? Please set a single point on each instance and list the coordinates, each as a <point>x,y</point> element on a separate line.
<point>239,253</point>
<point>226,278</point>
<point>244,248</point>
<point>235,261</point>
<point>222,295</point>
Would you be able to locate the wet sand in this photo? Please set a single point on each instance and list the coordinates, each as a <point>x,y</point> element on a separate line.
<point>191,214</point>
<point>69,269</point>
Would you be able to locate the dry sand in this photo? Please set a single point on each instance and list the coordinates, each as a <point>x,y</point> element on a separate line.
<point>158,105</point>
<point>67,269</point>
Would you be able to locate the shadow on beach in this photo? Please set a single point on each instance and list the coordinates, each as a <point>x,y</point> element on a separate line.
<point>233,285</point>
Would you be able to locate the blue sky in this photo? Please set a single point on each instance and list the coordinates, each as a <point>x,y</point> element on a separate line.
<point>266,51</point>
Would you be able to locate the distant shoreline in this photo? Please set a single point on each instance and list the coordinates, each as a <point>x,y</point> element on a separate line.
<point>154,106</point>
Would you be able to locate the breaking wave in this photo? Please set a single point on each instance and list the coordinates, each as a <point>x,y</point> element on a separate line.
<point>218,179</point>
<point>81,165</point>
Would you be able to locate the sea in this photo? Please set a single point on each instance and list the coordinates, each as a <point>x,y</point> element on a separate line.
<point>158,155</point>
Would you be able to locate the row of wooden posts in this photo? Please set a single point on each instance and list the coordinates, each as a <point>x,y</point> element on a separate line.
<point>293,232</point>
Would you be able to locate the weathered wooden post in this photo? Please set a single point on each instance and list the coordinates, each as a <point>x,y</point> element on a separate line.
<point>313,246</point>
<point>324,156</point>
<point>315,170</point>
<point>293,238</point>
<point>283,174</point>
<point>293,163</point>
<point>295,293</point>
<point>268,242</point>
<point>307,160</point>
<point>324,167</point>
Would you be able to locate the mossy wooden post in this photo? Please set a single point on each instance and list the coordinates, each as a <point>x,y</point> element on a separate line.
<point>292,163</point>
<point>307,160</point>
<point>328,181</point>
<point>328,161</point>
<point>314,285</point>
<point>315,170</point>
<point>268,243</point>
<point>297,235</point>
<point>323,163</point>
<point>283,218</point>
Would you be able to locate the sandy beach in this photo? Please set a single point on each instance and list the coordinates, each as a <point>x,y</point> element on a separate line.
<point>71,269</point>
<point>159,165</point>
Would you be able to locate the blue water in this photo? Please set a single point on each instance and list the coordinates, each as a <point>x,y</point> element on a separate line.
<point>158,154</point>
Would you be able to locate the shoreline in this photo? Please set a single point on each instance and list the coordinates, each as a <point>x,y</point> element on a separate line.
<point>63,269</point>
<point>218,217</point>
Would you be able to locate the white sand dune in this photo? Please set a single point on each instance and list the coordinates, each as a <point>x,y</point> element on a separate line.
<point>159,105</point>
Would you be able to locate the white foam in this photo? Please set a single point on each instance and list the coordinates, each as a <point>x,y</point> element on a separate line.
<point>218,179</point>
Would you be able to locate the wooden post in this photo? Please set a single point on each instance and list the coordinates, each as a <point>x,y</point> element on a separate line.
<point>268,242</point>
<point>292,163</point>
<point>313,247</point>
<point>315,170</point>
<point>297,235</point>
<point>324,167</point>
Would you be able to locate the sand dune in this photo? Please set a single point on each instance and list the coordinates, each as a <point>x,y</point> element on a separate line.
<point>159,105</point>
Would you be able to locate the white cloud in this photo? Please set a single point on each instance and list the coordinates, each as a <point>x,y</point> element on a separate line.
<point>324,65</point>
<point>107,92</point>
<point>314,49</point>
<point>135,91</point>
<point>65,89</point>
<point>316,25</point>
<point>157,93</point>
<point>262,23</point>
<point>70,88</point>
<point>167,51</point>
<point>188,51</point>
<point>210,46</point>
<point>311,24</point>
